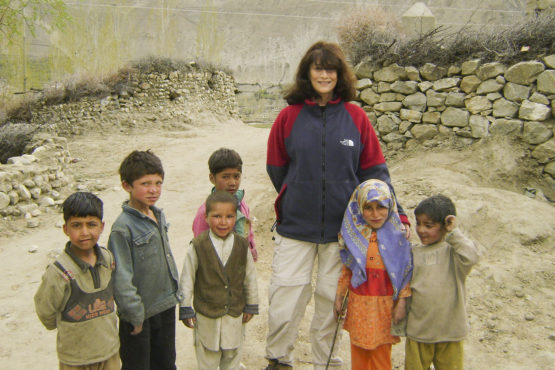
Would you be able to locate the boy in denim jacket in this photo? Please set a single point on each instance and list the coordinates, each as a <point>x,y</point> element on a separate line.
<point>146,278</point>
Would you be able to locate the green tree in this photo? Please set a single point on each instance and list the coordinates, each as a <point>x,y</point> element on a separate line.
<point>15,14</point>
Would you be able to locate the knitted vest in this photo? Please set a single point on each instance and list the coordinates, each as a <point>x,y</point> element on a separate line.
<point>219,289</point>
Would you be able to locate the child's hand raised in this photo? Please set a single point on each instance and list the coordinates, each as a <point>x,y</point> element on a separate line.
<point>450,223</point>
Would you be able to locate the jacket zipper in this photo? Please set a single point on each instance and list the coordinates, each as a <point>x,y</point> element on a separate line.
<point>324,117</point>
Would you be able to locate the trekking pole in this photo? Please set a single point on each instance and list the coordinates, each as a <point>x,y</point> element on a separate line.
<point>340,317</point>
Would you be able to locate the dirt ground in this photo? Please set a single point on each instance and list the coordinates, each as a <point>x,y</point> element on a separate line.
<point>511,296</point>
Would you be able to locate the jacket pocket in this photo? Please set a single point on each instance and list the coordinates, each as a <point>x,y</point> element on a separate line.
<point>143,246</point>
<point>277,203</point>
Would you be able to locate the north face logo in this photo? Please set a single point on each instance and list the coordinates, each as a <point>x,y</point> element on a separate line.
<point>347,142</point>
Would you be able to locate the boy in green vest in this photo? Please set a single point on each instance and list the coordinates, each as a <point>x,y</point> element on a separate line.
<point>220,278</point>
<point>76,295</point>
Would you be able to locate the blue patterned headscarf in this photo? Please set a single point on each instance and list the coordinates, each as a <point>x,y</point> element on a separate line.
<point>355,235</point>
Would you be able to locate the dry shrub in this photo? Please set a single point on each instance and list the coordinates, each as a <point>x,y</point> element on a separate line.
<point>364,39</point>
<point>364,32</point>
<point>14,138</point>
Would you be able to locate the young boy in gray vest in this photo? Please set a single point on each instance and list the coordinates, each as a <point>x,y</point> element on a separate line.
<point>219,278</point>
<point>76,295</point>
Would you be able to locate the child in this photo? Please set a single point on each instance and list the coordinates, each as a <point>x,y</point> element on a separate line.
<point>219,274</point>
<point>145,279</point>
<point>377,269</point>
<point>436,323</point>
<point>225,167</point>
<point>76,295</point>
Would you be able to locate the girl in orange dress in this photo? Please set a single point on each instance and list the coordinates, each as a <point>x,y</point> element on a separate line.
<point>377,267</point>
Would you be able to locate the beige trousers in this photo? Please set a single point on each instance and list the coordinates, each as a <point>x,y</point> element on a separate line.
<point>113,363</point>
<point>289,293</point>
<point>224,359</point>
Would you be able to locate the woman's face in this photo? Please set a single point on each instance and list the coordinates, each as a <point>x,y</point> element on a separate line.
<point>323,81</point>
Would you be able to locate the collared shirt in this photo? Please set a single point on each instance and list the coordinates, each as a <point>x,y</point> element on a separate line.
<point>224,332</point>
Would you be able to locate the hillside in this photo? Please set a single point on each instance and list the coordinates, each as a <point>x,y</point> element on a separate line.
<point>510,293</point>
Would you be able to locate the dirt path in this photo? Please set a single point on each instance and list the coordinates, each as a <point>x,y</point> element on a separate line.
<point>510,293</point>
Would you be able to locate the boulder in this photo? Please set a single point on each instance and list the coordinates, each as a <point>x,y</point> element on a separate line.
<point>425,86</point>
<point>413,74</point>
<point>470,83</point>
<point>4,200</point>
<point>516,92</point>
<point>489,86</point>
<point>388,107</point>
<point>504,108</point>
<point>546,82</point>
<point>505,127</point>
<point>550,61</point>
<point>490,70</point>
<point>369,96</point>
<point>365,69</point>
<point>416,101</point>
<point>477,104</point>
<point>411,115</point>
<point>539,98</point>
<point>550,169</point>
<point>431,117</point>
<point>363,84</point>
<point>424,132</point>
<point>545,152</point>
<point>536,132</point>
<point>387,123</point>
<point>435,99</point>
<point>390,73</point>
<point>469,67</point>
<point>446,83</point>
<point>524,73</point>
<point>454,117</point>
<point>431,72</point>
<point>404,87</point>
<point>455,99</point>
<point>533,111</point>
<point>479,126</point>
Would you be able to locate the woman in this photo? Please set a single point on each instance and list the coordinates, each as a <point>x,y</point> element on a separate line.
<point>320,148</point>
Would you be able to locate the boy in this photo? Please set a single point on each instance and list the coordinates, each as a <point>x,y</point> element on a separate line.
<point>225,167</point>
<point>219,275</point>
<point>76,295</point>
<point>437,320</point>
<point>145,279</point>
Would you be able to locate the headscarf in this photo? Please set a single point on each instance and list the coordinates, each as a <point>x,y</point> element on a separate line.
<point>355,235</point>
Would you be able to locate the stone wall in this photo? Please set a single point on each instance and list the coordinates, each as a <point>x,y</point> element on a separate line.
<point>154,98</point>
<point>34,183</point>
<point>464,103</point>
<point>39,180</point>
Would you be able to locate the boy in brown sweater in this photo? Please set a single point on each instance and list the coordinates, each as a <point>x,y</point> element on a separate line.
<point>436,323</point>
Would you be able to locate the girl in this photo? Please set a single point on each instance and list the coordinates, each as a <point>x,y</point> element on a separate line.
<point>377,269</point>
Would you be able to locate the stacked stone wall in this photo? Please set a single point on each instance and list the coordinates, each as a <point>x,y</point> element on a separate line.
<point>39,180</point>
<point>159,98</point>
<point>34,183</point>
<point>463,103</point>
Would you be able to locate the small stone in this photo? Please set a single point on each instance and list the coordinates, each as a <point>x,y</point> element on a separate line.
<point>32,223</point>
<point>36,212</point>
<point>59,224</point>
<point>490,325</point>
<point>529,317</point>
<point>552,336</point>
<point>519,293</point>
<point>33,249</point>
